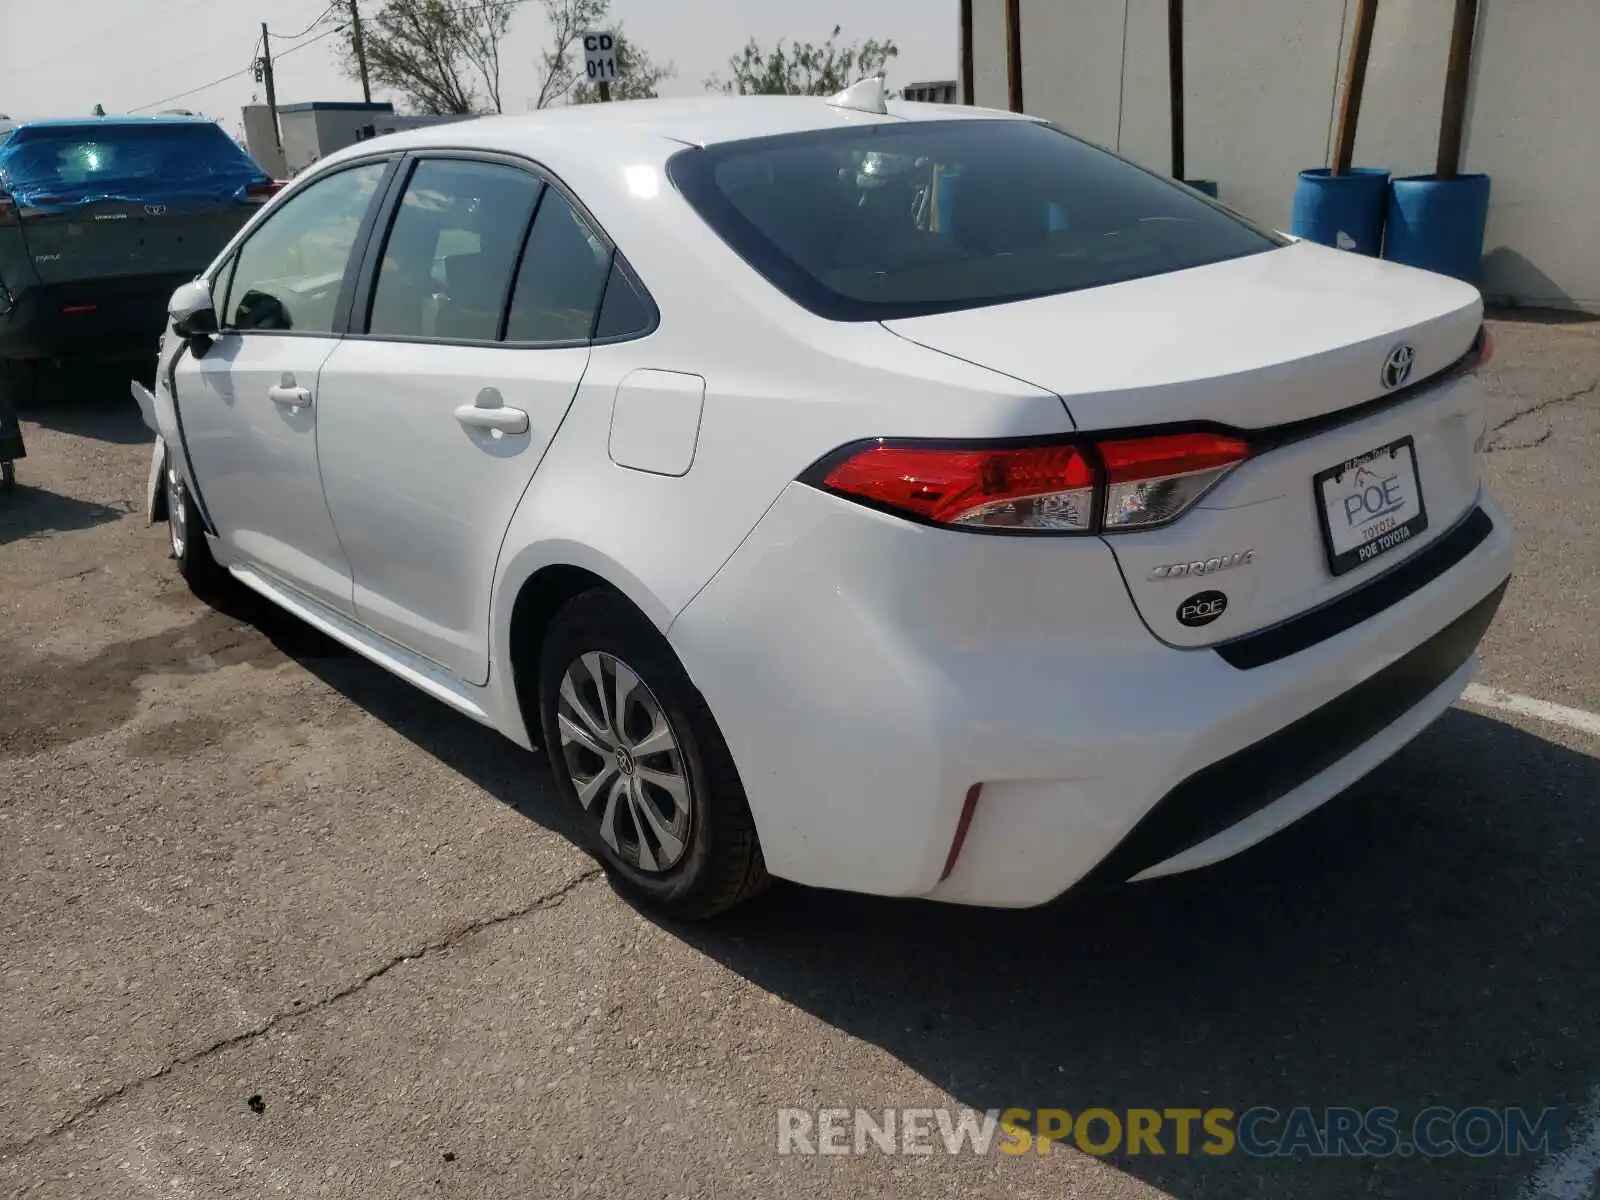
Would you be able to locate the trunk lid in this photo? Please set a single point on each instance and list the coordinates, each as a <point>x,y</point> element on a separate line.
<point>1264,340</point>
<point>1293,337</point>
<point>116,239</point>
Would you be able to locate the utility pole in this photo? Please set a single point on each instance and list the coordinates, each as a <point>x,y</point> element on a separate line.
<point>1175,81</point>
<point>266,78</point>
<point>1452,121</point>
<point>1014,55</point>
<point>360,47</point>
<point>968,85</point>
<point>1355,80</point>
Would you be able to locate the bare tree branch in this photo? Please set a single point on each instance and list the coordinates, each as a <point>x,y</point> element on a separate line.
<point>562,62</point>
<point>437,53</point>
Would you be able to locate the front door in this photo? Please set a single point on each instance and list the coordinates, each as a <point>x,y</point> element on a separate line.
<point>250,405</point>
<point>433,421</point>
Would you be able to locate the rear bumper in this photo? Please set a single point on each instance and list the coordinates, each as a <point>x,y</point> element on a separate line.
<point>103,318</point>
<point>1189,826</point>
<point>867,673</point>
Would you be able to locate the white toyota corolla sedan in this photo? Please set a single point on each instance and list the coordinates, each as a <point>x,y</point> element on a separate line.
<point>901,498</point>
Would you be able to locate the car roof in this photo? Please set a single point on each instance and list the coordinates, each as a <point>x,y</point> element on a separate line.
<point>694,121</point>
<point>97,122</point>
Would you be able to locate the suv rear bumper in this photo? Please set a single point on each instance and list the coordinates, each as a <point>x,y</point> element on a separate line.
<point>867,672</point>
<point>105,318</point>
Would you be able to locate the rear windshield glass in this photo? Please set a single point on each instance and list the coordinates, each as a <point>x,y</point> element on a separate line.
<point>900,220</point>
<point>135,162</point>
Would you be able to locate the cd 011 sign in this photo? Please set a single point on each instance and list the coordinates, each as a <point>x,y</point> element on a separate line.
<point>600,57</point>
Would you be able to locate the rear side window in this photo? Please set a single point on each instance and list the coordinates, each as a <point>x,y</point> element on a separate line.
<point>64,163</point>
<point>563,275</point>
<point>624,313</point>
<point>882,221</point>
<point>288,273</point>
<point>447,262</point>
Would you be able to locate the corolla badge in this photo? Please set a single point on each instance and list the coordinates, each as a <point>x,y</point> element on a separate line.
<point>1203,566</point>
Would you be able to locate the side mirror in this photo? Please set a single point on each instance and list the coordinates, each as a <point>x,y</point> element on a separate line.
<point>193,314</point>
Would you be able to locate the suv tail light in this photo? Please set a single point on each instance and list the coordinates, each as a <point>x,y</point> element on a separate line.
<point>263,191</point>
<point>1066,486</point>
<point>1485,348</point>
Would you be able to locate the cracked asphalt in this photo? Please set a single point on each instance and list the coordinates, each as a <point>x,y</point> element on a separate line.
<point>275,924</point>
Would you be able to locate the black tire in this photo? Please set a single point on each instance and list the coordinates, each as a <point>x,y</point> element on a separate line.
<point>720,862</point>
<point>17,392</point>
<point>186,537</point>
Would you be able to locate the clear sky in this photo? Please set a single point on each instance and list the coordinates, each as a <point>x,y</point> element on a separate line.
<point>62,57</point>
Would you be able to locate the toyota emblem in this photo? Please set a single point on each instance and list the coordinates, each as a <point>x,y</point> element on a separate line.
<point>155,210</point>
<point>1397,367</point>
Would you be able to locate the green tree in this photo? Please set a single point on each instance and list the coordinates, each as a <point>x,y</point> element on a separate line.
<point>803,68</point>
<point>443,56</point>
<point>561,75</point>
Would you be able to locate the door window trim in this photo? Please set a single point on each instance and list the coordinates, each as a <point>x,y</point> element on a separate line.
<point>352,318</point>
<point>227,268</point>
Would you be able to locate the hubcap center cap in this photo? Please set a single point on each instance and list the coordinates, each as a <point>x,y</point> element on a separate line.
<point>624,760</point>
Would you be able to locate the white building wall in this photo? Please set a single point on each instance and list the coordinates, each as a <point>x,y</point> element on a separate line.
<point>1262,78</point>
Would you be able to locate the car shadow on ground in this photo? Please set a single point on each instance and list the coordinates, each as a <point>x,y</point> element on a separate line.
<point>91,400</point>
<point>1430,937</point>
<point>30,511</point>
<point>510,774</point>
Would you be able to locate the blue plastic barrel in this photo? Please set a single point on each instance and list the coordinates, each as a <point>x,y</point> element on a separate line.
<point>1207,186</point>
<point>1344,211</point>
<point>1438,224</point>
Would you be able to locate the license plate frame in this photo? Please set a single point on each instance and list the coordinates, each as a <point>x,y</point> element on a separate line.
<point>1341,562</point>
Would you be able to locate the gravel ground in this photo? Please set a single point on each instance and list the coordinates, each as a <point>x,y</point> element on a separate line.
<point>275,924</point>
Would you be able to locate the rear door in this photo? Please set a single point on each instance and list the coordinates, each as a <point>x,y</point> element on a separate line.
<point>436,414</point>
<point>250,405</point>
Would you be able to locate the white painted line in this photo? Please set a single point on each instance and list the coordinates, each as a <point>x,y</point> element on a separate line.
<point>1527,706</point>
<point>1572,1174</point>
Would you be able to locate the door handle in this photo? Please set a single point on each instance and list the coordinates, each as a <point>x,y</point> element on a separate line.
<point>289,397</point>
<point>490,412</point>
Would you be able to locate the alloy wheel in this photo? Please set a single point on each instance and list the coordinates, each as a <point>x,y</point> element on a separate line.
<point>625,761</point>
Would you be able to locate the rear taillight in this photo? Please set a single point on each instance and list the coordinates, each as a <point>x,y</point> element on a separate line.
<point>263,191</point>
<point>1152,480</point>
<point>1020,487</point>
<point>1485,348</point>
<point>1066,486</point>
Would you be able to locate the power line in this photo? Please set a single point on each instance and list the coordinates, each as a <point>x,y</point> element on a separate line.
<point>235,75</point>
<point>311,41</point>
<point>193,90</point>
<point>293,37</point>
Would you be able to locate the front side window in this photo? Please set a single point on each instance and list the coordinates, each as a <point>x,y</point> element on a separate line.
<point>287,275</point>
<point>450,253</point>
<point>882,221</point>
<point>563,275</point>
